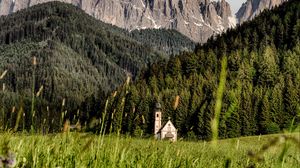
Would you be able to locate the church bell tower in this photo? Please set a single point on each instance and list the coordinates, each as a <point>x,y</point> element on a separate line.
<point>157,123</point>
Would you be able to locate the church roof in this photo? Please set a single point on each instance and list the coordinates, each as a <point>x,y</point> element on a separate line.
<point>158,106</point>
<point>165,125</point>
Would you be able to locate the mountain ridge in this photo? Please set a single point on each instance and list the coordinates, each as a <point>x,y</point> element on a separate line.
<point>252,8</point>
<point>197,19</point>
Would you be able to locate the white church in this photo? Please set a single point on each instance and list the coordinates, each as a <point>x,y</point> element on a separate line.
<point>166,131</point>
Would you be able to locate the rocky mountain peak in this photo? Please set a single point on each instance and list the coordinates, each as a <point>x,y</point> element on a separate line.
<point>223,9</point>
<point>197,19</point>
<point>252,8</point>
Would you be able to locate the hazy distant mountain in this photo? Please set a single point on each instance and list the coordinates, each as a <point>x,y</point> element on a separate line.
<point>252,8</point>
<point>197,19</point>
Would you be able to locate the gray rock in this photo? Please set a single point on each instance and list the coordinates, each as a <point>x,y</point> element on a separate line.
<point>252,8</point>
<point>197,19</point>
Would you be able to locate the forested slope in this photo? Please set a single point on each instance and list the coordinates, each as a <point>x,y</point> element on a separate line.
<point>78,57</point>
<point>262,90</point>
<point>169,41</point>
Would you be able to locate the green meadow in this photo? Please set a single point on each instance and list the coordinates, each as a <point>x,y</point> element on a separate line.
<point>88,150</point>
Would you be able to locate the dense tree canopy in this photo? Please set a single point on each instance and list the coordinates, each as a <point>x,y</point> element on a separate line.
<point>262,90</point>
<point>78,57</point>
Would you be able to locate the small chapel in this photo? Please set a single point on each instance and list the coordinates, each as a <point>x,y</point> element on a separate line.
<point>166,131</point>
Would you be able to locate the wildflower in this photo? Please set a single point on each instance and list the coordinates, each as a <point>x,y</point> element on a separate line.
<point>9,161</point>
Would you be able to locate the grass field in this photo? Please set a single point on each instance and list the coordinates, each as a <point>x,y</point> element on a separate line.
<point>86,150</point>
<point>80,150</point>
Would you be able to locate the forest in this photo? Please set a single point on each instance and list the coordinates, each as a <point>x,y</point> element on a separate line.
<point>262,89</point>
<point>78,59</point>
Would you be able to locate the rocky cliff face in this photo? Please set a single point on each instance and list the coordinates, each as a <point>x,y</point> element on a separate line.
<point>252,8</point>
<point>197,19</point>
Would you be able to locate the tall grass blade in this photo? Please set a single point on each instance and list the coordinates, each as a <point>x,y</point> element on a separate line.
<point>218,105</point>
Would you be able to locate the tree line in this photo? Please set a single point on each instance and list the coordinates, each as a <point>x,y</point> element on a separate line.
<point>262,90</point>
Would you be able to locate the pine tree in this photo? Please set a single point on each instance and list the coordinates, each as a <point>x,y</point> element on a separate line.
<point>267,67</point>
<point>291,101</point>
<point>232,115</point>
<point>264,116</point>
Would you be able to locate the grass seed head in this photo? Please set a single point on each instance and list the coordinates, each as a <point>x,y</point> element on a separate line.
<point>114,94</point>
<point>63,102</point>
<point>40,91</point>
<point>3,74</point>
<point>128,80</point>
<point>67,126</point>
<point>176,102</point>
<point>34,62</point>
<point>13,110</point>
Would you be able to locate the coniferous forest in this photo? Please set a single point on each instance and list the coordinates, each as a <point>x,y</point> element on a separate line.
<point>262,90</point>
<point>78,60</point>
<point>81,65</point>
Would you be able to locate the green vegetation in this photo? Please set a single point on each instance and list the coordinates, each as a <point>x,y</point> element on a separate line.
<point>261,93</point>
<point>79,60</point>
<point>169,41</point>
<point>57,64</point>
<point>84,150</point>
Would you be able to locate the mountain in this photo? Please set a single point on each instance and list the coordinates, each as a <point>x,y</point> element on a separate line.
<point>261,92</point>
<point>196,19</point>
<point>252,8</point>
<point>77,56</point>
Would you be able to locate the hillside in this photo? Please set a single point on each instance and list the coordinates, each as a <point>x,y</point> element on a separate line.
<point>77,55</point>
<point>262,91</point>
